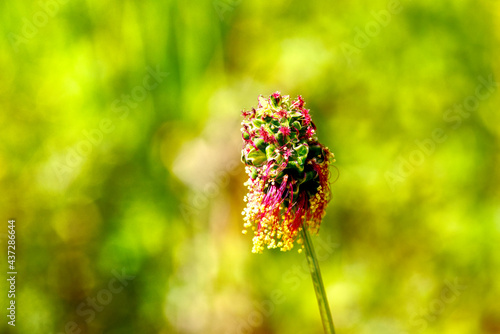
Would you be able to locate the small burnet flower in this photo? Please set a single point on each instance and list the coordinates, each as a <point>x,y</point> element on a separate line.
<point>285,130</point>
<point>288,184</point>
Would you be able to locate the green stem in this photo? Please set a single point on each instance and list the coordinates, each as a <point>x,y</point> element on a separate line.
<point>324,308</point>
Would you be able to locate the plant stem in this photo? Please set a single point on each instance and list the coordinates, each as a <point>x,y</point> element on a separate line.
<point>324,308</point>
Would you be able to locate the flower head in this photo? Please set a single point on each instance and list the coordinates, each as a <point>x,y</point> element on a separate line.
<point>288,183</point>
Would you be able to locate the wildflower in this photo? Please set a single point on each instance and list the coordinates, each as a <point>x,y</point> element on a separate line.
<point>288,185</point>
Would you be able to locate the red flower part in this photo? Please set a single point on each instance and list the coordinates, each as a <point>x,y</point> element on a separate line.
<point>287,189</point>
<point>265,136</point>
<point>307,117</point>
<point>282,113</point>
<point>274,195</point>
<point>300,211</point>
<point>310,132</point>
<point>287,153</point>
<point>285,130</point>
<point>299,103</point>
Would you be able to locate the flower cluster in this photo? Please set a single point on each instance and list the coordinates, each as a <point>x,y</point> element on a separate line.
<point>288,183</point>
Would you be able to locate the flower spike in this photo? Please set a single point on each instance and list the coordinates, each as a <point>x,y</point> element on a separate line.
<point>288,185</point>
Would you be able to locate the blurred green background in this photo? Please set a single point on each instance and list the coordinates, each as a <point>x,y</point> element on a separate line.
<point>119,160</point>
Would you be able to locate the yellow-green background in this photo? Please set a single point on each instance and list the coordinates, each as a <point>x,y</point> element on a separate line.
<point>160,195</point>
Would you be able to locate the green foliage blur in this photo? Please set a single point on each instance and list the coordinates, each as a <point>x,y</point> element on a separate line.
<point>120,148</point>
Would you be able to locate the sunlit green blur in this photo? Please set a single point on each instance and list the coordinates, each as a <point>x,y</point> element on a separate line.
<point>119,159</point>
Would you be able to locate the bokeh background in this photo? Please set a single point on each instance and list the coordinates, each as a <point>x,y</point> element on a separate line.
<point>119,157</point>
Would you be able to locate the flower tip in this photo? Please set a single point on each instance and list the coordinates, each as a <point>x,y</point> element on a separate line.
<point>300,101</point>
<point>276,98</point>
